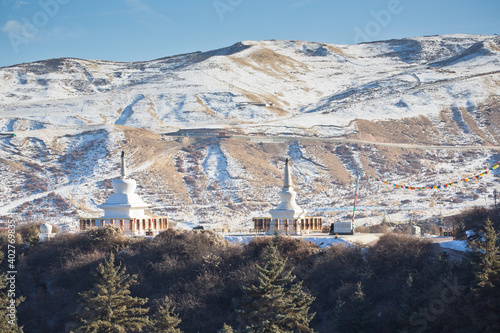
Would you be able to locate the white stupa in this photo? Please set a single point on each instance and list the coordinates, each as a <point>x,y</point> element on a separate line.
<point>288,218</point>
<point>124,202</point>
<point>288,208</point>
<point>125,209</point>
<point>45,232</point>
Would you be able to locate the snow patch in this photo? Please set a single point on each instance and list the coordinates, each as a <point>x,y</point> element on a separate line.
<point>458,245</point>
<point>322,242</point>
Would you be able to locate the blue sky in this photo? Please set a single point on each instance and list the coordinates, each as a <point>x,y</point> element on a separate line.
<point>134,30</point>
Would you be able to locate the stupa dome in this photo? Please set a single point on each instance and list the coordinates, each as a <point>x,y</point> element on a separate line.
<point>46,228</point>
<point>124,186</point>
<point>124,202</point>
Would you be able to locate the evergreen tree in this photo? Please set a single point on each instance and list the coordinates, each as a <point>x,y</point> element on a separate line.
<point>32,238</point>
<point>108,307</point>
<point>226,329</point>
<point>275,303</point>
<point>8,322</point>
<point>338,314</point>
<point>486,258</point>
<point>359,310</point>
<point>165,319</point>
<point>406,304</point>
<point>351,315</point>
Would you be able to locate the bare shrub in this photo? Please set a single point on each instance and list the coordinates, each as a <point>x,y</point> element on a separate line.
<point>106,234</point>
<point>377,228</point>
<point>396,253</point>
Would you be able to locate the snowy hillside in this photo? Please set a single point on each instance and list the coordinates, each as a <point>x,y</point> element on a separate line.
<point>321,104</point>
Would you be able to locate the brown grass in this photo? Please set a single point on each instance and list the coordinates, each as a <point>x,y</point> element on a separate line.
<point>55,146</point>
<point>474,127</point>
<point>255,159</point>
<point>14,165</point>
<point>149,146</point>
<point>450,125</point>
<point>171,179</point>
<point>493,46</point>
<point>146,144</point>
<point>490,109</point>
<point>269,58</point>
<point>206,108</point>
<point>407,130</point>
<point>258,98</point>
<point>365,161</point>
<point>270,62</point>
<point>371,131</point>
<point>335,168</point>
<point>337,50</point>
<point>85,120</point>
<point>273,64</point>
<point>152,111</point>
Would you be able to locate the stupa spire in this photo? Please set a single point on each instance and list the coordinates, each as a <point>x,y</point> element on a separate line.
<point>288,208</point>
<point>124,169</point>
<point>287,182</point>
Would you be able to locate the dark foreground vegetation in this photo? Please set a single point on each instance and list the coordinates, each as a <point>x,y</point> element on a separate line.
<point>198,282</point>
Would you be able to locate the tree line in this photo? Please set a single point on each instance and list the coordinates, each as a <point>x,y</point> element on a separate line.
<point>195,281</point>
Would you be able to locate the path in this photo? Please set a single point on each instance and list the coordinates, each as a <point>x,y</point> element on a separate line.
<point>437,250</point>
<point>210,133</point>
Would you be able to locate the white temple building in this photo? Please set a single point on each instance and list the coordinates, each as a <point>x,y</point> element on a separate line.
<point>125,208</point>
<point>288,218</point>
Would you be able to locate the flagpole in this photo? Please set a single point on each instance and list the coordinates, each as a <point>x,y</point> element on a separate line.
<point>495,196</point>
<point>355,202</point>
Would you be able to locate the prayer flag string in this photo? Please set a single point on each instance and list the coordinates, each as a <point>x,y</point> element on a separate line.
<point>477,176</point>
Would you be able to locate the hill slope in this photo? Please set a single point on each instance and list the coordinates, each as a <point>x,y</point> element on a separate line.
<point>72,117</point>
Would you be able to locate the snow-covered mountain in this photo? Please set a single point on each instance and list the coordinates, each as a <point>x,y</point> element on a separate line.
<point>318,103</point>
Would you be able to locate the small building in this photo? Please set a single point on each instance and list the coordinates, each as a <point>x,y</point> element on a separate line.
<point>288,218</point>
<point>125,209</point>
<point>342,228</point>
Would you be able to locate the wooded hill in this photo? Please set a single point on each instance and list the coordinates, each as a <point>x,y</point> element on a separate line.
<point>397,285</point>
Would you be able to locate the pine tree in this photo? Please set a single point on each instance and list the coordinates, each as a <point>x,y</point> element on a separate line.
<point>108,307</point>
<point>32,238</point>
<point>297,311</point>
<point>8,322</point>
<point>275,303</point>
<point>351,315</point>
<point>359,310</point>
<point>338,314</point>
<point>406,304</point>
<point>165,319</point>
<point>226,329</point>
<point>486,259</point>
